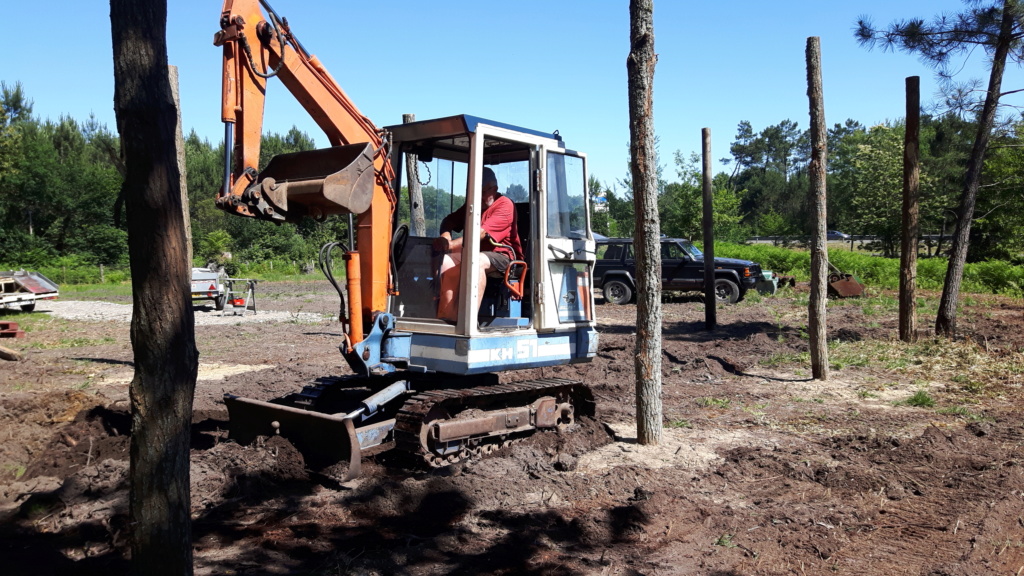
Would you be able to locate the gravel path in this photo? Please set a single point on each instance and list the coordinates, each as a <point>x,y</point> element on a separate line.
<point>108,311</point>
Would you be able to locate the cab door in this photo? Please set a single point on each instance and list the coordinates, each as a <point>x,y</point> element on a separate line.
<point>566,245</point>
<point>673,268</point>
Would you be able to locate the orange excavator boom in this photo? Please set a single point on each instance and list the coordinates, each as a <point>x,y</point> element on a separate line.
<point>353,176</point>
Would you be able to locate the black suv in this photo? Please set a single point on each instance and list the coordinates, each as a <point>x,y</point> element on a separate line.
<point>682,269</point>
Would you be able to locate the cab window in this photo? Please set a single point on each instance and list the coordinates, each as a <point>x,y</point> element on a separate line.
<point>566,197</point>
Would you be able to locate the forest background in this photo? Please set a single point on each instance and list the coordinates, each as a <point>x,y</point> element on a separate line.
<point>60,185</point>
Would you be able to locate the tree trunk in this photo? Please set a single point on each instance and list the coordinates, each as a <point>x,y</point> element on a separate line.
<point>945,323</point>
<point>412,178</point>
<point>640,71</point>
<point>162,328</point>
<point>816,325</point>
<point>710,302</point>
<point>911,193</point>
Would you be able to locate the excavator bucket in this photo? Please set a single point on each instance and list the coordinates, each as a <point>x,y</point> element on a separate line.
<point>324,440</point>
<point>319,183</point>
<point>844,286</point>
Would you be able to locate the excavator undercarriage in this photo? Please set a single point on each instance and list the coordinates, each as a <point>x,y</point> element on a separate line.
<point>441,419</point>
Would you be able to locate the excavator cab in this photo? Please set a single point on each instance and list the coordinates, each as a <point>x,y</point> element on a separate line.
<point>546,297</point>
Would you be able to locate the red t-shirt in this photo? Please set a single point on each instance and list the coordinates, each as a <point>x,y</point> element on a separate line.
<point>498,220</point>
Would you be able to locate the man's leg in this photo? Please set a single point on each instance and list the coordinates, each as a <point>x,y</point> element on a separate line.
<point>481,280</point>
<point>447,306</point>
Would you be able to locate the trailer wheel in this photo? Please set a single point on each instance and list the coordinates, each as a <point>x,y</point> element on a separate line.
<point>726,291</point>
<point>218,302</point>
<point>28,307</point>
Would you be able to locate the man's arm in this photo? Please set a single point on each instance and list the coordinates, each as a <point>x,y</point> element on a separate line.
<point>455,221</point>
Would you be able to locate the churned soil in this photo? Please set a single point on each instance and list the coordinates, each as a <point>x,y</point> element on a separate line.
<point>908,460</point>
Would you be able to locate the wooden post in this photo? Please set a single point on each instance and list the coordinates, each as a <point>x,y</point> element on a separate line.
<point>710,302</point>
<point>8,354</point>
<point>179,145</point>
<point>911,194</point>
<point>816,324</point>
<point>647,364</point>
<point>412,178</point>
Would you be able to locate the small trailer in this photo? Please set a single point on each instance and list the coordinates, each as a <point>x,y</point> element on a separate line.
<point>209,284</point>
<point>23,289</point>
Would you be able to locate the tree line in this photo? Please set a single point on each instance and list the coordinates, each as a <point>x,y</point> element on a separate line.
<point>765,192</point>
<point>60,183</point>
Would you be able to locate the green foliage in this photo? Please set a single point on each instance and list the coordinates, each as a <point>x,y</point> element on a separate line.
<point>214,244</point>
<point>779,260</point>
<point>991,277</point>
<point>680,205</point>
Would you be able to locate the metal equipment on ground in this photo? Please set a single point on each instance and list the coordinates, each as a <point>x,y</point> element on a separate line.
<point>23,289</point>
<point>239,296</point>
<point>843,285</point>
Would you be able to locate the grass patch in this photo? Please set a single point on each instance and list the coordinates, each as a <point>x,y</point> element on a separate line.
<point>778,360</point>
<point>70,343</point>
<point>16,470</point>
<point>920,399</point>
<point>678,423</point>
<point>95,291</point>
<point>725,540</point>
<point>709,402</point>
<point>961,412</point>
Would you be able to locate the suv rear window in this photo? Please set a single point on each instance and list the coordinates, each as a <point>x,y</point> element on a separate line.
<point>614,251</point>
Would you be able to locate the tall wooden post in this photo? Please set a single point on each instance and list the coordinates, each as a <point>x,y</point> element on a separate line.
<point>911,194</point>
<point>179,148</point>
<point>647,365</point>
<point>816,325</point>
<point>710,302</point>
<point>412,178</point>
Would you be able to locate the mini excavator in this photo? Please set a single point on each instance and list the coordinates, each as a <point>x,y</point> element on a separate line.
<point>420,384</point>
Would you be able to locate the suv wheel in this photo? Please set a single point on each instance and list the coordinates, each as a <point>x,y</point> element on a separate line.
<point>726,291</point>
<point>617,292</point>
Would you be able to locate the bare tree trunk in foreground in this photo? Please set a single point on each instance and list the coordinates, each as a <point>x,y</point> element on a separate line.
<point>162,328</point>
<point>816,325</point>
<point>911,193</point>
<point>640,71</point>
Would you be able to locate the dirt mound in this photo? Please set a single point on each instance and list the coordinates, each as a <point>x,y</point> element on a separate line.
<point>94,435</point>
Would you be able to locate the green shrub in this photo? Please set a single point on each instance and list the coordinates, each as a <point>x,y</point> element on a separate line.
<point>990,277</point>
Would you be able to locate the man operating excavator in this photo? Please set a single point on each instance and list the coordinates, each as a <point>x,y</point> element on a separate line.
<point>499,245</point>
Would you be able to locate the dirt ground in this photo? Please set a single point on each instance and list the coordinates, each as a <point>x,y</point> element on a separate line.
<point>762,470</point>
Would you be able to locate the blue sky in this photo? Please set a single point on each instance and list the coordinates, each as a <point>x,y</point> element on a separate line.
<point>546,65</point>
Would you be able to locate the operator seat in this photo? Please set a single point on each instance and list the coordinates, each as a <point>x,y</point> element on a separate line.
<point>506,309</point>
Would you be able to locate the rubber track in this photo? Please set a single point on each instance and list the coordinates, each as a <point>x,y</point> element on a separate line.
<point>409,421</point>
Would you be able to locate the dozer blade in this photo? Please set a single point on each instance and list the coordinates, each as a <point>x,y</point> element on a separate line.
<point>324,440</point>
<point>319,183</point>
